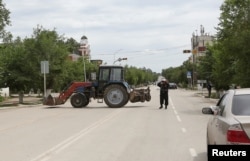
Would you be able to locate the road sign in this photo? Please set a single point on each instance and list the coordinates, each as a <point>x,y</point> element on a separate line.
<point>202,49</point>
<point>44,67</point>
<point>189,74</point>
<point>201,81</point>
<point>194,51</point>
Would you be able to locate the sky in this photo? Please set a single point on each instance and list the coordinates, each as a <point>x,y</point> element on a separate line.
<point>151,34</point>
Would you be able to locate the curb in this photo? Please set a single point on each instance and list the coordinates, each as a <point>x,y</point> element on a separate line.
<point>15,104</point>
<point>215,100</point>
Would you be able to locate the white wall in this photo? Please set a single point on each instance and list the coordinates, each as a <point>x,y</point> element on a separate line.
<point>5,92</point>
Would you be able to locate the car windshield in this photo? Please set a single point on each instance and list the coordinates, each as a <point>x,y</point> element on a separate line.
<point>241,105</point>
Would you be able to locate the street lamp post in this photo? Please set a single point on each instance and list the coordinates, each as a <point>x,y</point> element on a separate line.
<point>84,70</point>
<point>116,53</point>
<point>120,59</point>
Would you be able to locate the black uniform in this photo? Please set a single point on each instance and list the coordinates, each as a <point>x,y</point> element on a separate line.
<point>209,88</point>
<point>163,93</point>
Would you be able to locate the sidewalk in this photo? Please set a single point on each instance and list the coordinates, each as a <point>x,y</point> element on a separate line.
<point>204,94</point>
<point>27,101</point>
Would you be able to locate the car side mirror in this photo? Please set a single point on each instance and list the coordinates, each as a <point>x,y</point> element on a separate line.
<point>207,110</point>
<point>214,110</point>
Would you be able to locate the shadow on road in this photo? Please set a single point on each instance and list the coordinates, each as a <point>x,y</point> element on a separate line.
<point>201,157</point>
<point>91,107</point>
<point>51,107</point>
<point>133,106</point>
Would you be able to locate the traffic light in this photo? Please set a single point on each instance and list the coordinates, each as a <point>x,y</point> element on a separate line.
<point>186,51</point>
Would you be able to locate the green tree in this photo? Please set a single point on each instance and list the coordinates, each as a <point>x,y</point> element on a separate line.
<point>205,66</point>
<point>72,45</point>
<point>223,67</point>
<point>4,21</point>
<point>21,60</point>
<point>138,76</point>
<point>4,36</point>
<point>14,65</point>
<point>178,74</point>
<point>47,45</point>
<point>232,52</point>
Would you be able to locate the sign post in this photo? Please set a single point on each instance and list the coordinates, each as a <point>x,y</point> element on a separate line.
<point>189,77</point>
<point>44,71</point>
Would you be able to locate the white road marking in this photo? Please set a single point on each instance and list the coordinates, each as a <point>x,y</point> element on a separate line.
<point>183,130</point>
<point>171,103</point>
<point>175,111</point>
<point>193,152</point>
<point>64,144</point>
<point>178,118</point>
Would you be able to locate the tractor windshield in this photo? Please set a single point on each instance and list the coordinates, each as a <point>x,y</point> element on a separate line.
<point>116,74</point>
<point>104,74</point>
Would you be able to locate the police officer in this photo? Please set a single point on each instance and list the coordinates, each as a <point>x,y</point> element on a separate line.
<point>209,88</point>
<point>164,85</point>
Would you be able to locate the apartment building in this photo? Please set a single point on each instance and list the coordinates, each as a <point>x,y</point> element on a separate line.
<point>199,44</point>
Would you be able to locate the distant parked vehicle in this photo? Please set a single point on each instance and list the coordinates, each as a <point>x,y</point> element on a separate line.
<point>172,86</point>
<point>230,123</point>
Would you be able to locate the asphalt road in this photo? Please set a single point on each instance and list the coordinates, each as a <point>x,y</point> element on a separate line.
<point>136,132</point>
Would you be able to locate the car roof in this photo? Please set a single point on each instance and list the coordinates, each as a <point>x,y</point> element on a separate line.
<point>241,91</point>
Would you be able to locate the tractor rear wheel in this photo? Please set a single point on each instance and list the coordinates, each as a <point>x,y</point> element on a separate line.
<point>116,96</point>
<point>79,100</point>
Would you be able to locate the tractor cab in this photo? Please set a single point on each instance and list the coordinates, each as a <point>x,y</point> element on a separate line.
<point>110,74</point>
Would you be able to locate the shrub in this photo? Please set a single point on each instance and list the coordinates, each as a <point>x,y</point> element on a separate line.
<point>1,99</point>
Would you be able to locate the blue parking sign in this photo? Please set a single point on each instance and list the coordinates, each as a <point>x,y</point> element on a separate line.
<point>189,74</point>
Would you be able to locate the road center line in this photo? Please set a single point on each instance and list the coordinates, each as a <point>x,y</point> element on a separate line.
<point>178,118</point>
<point>64,144</point>
<point>171,103</point>
<point>175,111</point>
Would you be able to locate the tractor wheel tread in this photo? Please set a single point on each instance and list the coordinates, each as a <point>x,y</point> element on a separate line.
<point>116,96</point>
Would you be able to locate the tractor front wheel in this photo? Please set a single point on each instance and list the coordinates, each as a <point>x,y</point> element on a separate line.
<point>115,96</point>
<point>79,100</point>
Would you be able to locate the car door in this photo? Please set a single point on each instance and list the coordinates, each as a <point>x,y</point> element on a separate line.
<point>103,79</point>
<point>214,126</point>
<point>221,121</point>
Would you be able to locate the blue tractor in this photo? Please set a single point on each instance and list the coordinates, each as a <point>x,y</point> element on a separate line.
<point>109,86</point>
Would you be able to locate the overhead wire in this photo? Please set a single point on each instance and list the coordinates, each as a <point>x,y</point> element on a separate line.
<point>144,51</point>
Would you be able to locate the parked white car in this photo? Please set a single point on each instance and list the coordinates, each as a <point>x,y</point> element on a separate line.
<point>230,123</point>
